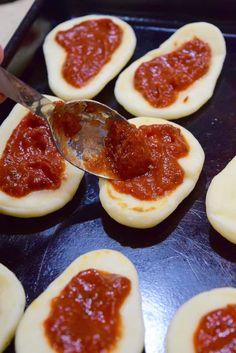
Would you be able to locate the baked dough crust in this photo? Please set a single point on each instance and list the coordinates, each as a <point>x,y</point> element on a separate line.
<point>132,212</point>
<point>221,202</point>
<point>30,333</point>
<point>185,322</point>
<point>198,93</point>
<point>12,304</point>
<point>55,57</point>
<point>36,203</point>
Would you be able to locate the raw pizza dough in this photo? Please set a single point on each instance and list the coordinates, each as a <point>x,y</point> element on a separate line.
<point>12,304</point>
<point>36,203</point>
<point>136,213</point>
<point>30,335</point>
<point>186,320</point>
<point>198,93</point>
<point>221,202</point>
<point>55,56</point>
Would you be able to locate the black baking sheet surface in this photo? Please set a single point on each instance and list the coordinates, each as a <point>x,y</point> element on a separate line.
<point>175,260</point>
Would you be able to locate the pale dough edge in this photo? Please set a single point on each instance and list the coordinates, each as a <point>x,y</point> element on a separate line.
<point>221,202</point>
<point>11,307</point>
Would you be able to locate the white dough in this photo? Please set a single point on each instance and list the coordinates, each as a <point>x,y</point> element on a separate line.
<point>12,304</point>
<point>36,203</point>
<point>55,57</point>
<point>30,336</point>
<point>221,202</point>
<point>198,93</point>
<point>187,318</point>
<point>136,213</point>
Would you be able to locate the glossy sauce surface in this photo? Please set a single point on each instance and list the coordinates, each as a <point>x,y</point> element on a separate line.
<point>85,317</point>
<point>161,79</point>
<point>66,120</point>
<point>89,46</point>
<point>30,161</point>
<point>123,153</point>
<point>166,145</point>
<point>216,332</point>
<point>126,153</point>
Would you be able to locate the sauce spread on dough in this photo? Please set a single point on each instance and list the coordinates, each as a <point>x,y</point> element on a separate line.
<point>85,317</point>
<point>166,145</point>
<point>161,79</point>
<point>123,154</point>
<point>216,332</point>
<point>89,46</point>
<point>30,161</point>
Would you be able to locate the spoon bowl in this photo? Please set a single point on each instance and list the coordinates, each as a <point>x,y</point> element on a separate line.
<point>79,128</point>
<point>80,132</point>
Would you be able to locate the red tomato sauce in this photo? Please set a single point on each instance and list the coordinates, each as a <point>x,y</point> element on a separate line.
<point>126,153</point>
<point>161,79</point>
<point>89,46</point>
<point>166,145</point>
<point>30,161</point>
<point>66,121</point>
<point>85,317</point>
<point>216,332</point>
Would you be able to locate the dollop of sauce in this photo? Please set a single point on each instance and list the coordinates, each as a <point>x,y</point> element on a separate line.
<point>122,154</point>
<point>89,46</point>
<point>85,317</point>
<point>166,145</point>
<point>126,153</point>
<point>30,161</point>
<point>161,79</point>
<point>216,332</point>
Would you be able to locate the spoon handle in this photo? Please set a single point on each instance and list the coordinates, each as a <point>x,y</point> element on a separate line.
<point>21,93</point>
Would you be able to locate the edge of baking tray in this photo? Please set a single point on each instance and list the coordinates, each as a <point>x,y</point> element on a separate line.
<point>20,31</point>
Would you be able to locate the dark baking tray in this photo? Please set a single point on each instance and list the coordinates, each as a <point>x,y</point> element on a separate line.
<point>180,257</point>
<point>20,32</point>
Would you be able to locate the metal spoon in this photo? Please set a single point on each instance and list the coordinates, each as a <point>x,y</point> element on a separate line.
<point>87,143</point>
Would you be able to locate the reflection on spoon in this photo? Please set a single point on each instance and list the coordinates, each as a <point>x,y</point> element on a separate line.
<point>88,134</point>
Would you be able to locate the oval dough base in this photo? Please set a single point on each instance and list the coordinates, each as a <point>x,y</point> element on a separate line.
<point>55,57</point>
<point>186,320</point>
<point>132,212</point>
<point>30,336</point>
<point>189,100</point>
<point>42,202</point>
